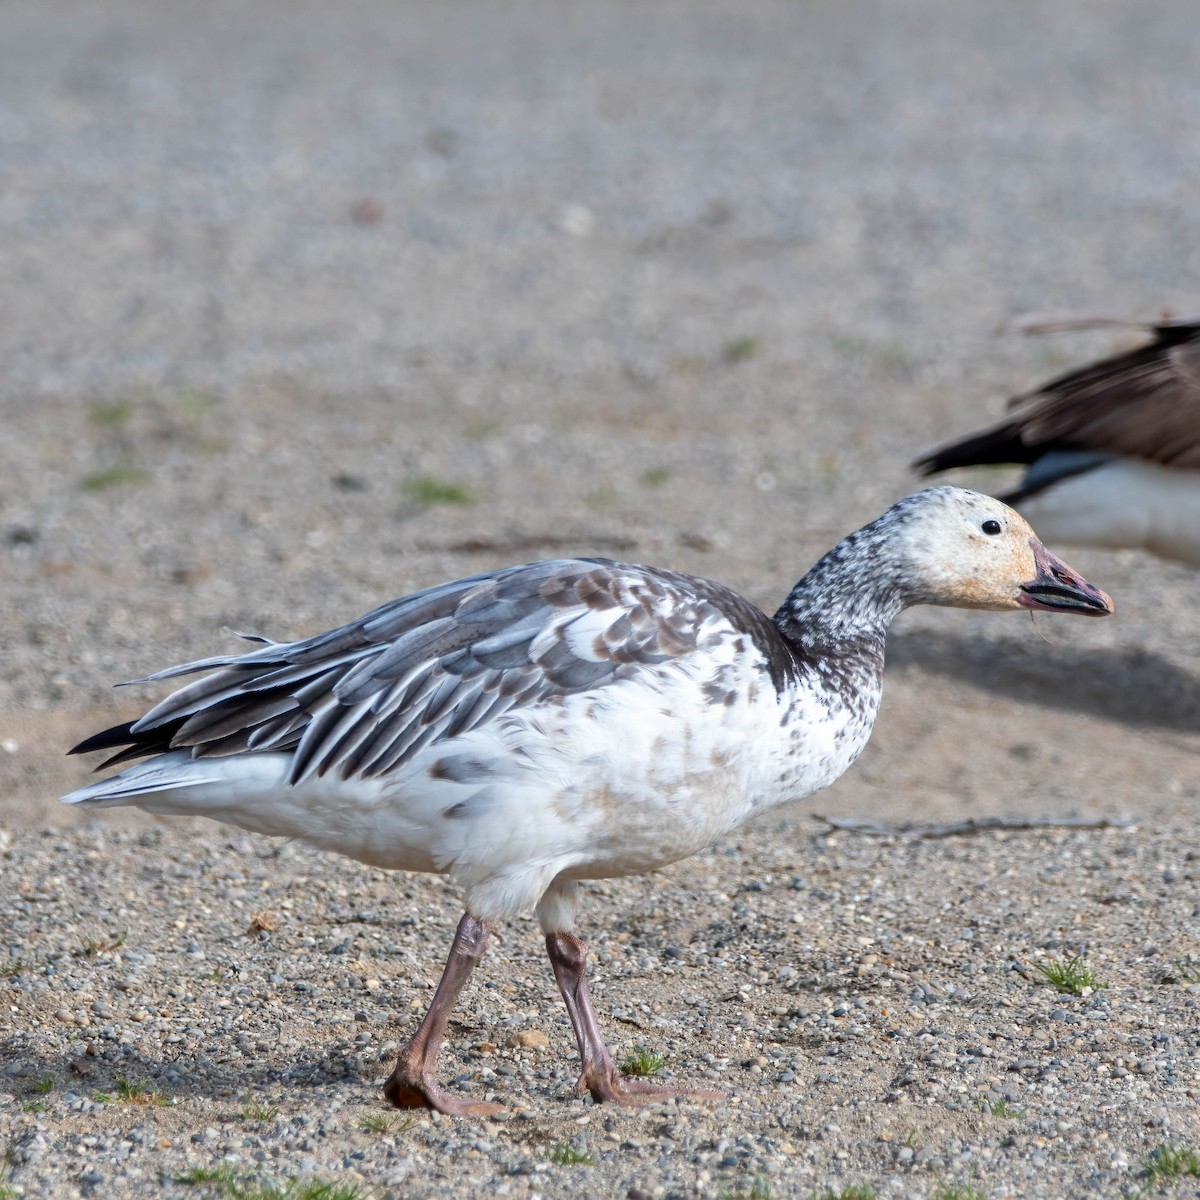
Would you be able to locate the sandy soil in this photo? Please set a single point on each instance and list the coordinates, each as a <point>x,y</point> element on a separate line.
<point>308,306</point>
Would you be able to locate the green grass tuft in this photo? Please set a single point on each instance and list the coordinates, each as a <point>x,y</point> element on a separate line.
<point>852,1191</point>
<point>956,1191</point>
<point>564,1156</point>
<point>314,1189</point>
<point>223,1175</point>
<point>254,1111</point>
<point>739,350</point>
<point>230,1182</point>
<point>642,1062</point>
<point>387,1123</point>
<point>600,499</point>
<point>428,491</point>
<point>1069,975</point>
<point>115,415</point>
<point>242,1185</point>
<point>1188,972</point>
<point>101,481</point>
<point>139,1093</point>
<point>92,947</point>
<point>999,1108</point>
<point>760,1189</point>
<point>193,404</point>
<point>655,476</point>
<point>1168,1164</point>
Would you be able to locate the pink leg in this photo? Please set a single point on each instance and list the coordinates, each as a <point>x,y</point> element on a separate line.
<point>600,1075</point>
<point>412,1083</point>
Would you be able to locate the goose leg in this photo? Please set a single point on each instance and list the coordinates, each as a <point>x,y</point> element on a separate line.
<point>600,1075</point>
<point>412,1083</point>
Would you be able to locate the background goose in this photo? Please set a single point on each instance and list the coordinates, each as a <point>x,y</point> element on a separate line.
<point>1112,450</point>
<point>529,728</point>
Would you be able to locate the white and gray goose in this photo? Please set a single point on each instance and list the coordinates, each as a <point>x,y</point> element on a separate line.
<point>525,729</point>
<point>1111,450</point>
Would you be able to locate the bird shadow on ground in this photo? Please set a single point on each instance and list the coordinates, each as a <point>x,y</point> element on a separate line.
<point>121,1079</point>
<point>1135,687</point>
<point>77,1071</point>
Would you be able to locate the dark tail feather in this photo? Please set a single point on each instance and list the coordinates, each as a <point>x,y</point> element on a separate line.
<point>128,744</point>
<point>996,446</point>
<point>107,739</point>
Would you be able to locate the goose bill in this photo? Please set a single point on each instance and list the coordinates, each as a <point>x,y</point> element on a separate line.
<point>1057,588</point>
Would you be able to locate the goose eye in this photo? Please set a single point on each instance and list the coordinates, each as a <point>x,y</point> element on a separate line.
<point>991,526</point>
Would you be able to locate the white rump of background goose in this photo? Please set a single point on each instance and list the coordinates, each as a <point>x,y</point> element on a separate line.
<point>525,729</point>
<point>1111,450</point>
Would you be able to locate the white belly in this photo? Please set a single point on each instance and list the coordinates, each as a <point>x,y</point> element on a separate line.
<point>1123,504</point>
<point>613,782</point>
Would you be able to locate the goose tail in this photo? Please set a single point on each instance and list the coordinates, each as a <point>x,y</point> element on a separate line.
<point>175,779</point>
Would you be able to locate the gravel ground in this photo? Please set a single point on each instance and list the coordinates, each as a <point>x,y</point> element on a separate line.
<point>306,306</point>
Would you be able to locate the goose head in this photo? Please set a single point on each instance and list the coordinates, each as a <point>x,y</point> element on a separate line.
<point>966,550</point>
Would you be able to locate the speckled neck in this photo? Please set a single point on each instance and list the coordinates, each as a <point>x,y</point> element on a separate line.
<point>849,598</point>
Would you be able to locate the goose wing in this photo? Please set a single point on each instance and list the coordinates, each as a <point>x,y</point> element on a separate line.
<point>1143,403</point>
<point>361,699</point>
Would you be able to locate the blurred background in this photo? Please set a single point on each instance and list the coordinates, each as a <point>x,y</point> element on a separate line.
<point>308,305</point>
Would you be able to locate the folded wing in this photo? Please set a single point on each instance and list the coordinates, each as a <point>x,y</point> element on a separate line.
<point>1142,404</point>
<point>362,699</point>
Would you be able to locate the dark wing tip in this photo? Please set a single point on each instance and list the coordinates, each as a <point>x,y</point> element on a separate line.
<point>929,464</point>
<point>106,739</point>
<point>127,744</point>
<point>999,446</point>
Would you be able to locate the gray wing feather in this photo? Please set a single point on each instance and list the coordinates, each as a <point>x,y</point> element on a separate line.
<point>362,699</point>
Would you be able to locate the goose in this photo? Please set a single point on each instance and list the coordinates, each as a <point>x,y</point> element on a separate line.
<point>1111,450</point>
<point>523,730</point>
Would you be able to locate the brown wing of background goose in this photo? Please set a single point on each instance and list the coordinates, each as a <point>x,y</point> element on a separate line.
<point>1143,403</point>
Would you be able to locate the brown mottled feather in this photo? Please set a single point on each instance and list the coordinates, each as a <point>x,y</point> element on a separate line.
<point>363,698</point>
